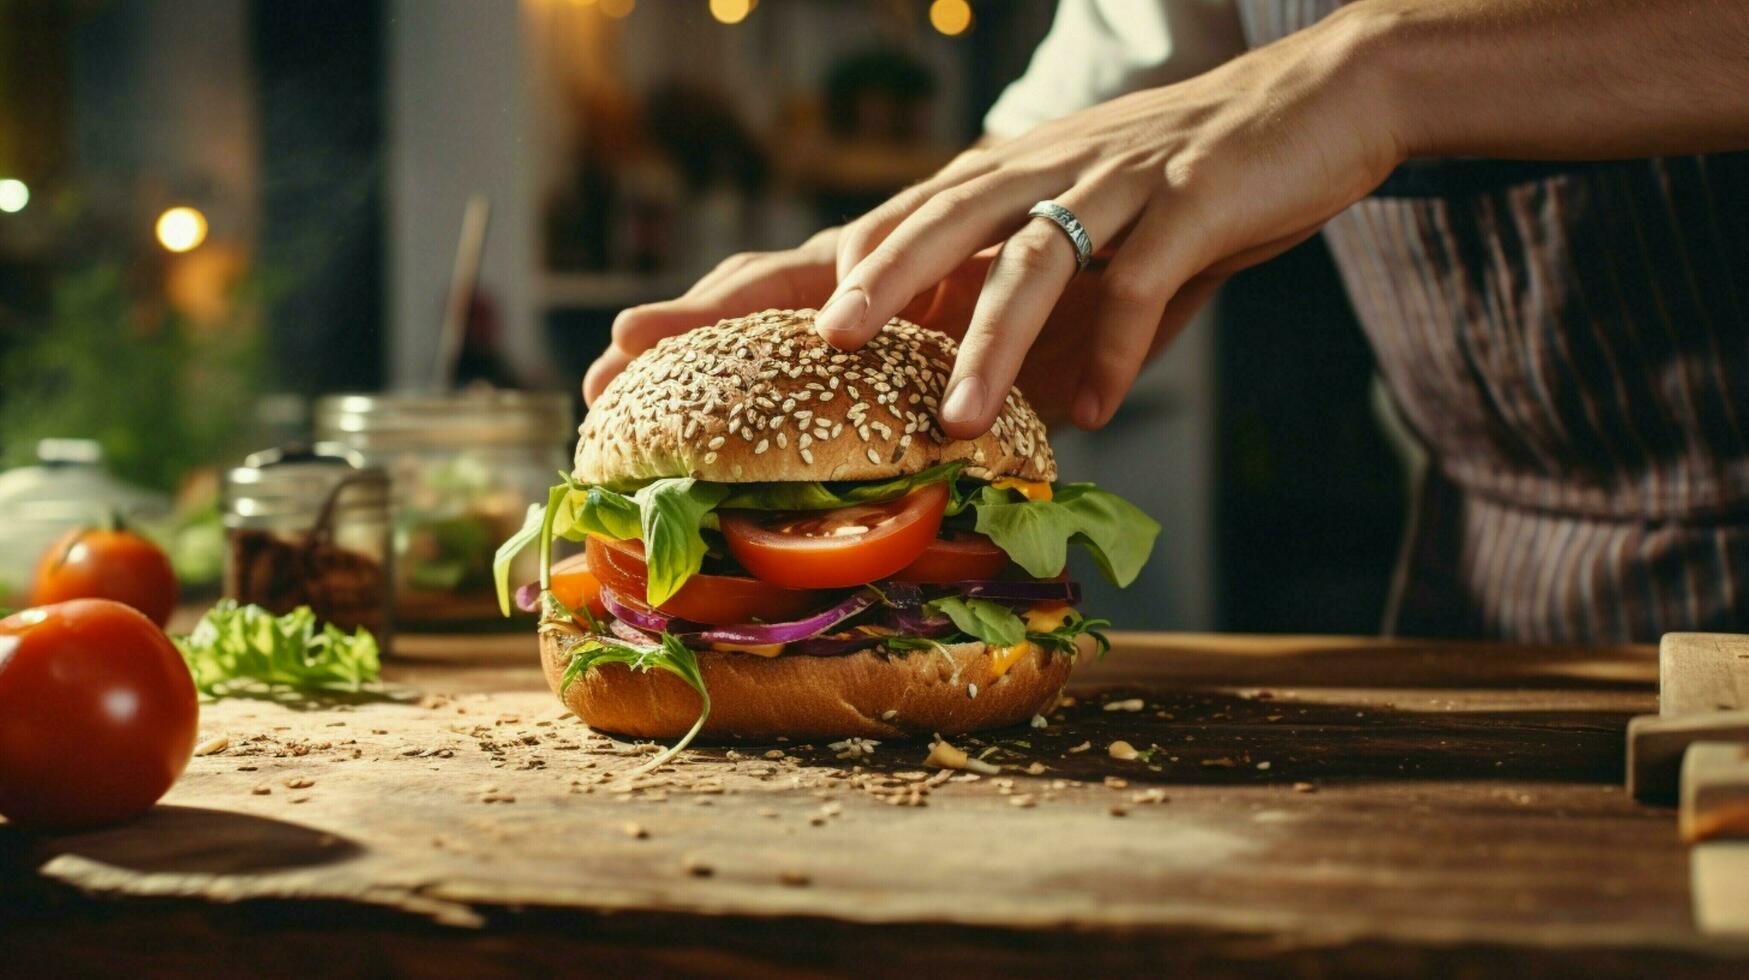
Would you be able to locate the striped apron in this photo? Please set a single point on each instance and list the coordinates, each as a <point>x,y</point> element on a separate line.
<point>1570,344</point>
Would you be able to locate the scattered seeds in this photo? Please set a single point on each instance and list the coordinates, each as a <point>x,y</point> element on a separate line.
<point>944,755</point>
<point>1121,749</point>
<point>1305,788</point>
<point>1039,721</point>
<point>262,789</point>
<point>1117,810</point>
<point>1129,704</point>
<point>216,744</point>
<point>697,867</point>
<point>299,782</point>
<point>1264,765</point>
<point>634,830</point>
<point>1084,746</point>
<point>1116,782</point>
<point>1224,762</point>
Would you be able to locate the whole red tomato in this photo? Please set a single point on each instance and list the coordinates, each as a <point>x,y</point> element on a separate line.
<point>97,714</point>
<point>96,563</point>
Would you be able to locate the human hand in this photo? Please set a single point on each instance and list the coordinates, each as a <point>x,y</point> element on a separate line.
<point>1183,184</point>
<point>804,277</point>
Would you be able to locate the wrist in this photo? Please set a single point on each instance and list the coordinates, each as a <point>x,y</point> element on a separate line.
<point>1370,43</point>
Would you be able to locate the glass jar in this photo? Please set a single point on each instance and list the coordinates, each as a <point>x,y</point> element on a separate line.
<point>464,468</point>
<point>310,527</point>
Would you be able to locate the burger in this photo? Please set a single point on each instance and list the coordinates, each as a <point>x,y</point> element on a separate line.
<point>779,540</point>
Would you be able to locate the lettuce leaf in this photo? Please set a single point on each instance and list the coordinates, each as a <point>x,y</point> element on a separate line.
<point>825,496</point>
<point>247,650</point>
<point>1036,533</point>
<point>982,619</point>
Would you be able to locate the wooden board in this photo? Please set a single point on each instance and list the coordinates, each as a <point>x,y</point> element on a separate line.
<point>1703,685</point>
<point>1715,792</point>
<point>1307,805</point>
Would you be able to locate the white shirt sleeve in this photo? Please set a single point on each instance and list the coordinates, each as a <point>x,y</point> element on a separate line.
<point>1099,49</point>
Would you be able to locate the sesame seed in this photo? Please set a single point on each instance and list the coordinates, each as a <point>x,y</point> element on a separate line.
<point>716,442</point>
<point>710,458</point>
<point>873,456</point>
<point>808,456</point>
<point>764,444</point>
<point>782,441</point>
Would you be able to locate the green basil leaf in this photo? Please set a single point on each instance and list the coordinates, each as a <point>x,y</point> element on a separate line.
<point>672,512</point>
<point>991,622</point>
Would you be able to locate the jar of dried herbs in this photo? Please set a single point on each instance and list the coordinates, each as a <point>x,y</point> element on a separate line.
<point>310,526</point>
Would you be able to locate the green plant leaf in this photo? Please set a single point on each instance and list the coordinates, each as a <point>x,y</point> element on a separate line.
<point>672,513</point>
<point>1036,533</point>
<point>670,655</point>
<point>991,622</point>
<point>243,649</point>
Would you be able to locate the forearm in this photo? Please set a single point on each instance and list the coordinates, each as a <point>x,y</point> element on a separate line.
<point>1559,79</point>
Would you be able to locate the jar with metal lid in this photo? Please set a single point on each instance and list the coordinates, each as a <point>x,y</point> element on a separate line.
<point>309,526</point>
<point>464,468</point>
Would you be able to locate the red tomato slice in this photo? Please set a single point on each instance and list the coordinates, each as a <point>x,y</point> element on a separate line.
<point>577,587</point>
<point>955,557</point>
<point>714,599</point>
<point>831,549</point>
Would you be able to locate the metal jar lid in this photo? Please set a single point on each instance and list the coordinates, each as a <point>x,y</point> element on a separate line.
<point>293,485</point>
<point>463,419</point>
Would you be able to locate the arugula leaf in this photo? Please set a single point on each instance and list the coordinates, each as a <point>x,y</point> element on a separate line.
<point>991,622</point>
<point>243,649</point>
<point>1063,637</point>
<point>1036,533</point>
<point>824,496</point>
<point>671,655</point>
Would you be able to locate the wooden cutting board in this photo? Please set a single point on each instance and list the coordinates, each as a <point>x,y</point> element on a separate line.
<point>1703,685</point>
<point>1303,805</point>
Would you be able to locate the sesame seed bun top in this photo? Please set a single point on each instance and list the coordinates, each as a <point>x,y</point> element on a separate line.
<point>764,398</point>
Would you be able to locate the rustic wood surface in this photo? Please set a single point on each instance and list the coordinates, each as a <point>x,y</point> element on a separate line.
<point>1304,805</point>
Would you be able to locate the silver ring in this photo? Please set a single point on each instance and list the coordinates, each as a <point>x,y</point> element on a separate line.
<point>1065,219</point>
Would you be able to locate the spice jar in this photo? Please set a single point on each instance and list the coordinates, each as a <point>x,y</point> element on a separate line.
<point>310,527</point>
<point>464,467</point>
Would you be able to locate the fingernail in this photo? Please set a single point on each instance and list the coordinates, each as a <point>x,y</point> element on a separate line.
<point>964,403</point>
<point>843,314</point>
<point>1086,410</point>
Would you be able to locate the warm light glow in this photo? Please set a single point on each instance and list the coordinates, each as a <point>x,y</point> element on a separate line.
<point>13,195</point>
<point>617,8</point>
<point>731,11</point>
<point>950,17</point>
<point>181,229</point>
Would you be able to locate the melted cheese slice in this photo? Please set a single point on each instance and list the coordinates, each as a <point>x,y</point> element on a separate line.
<point>756,649</point>
<point>1039,619</point>
<point>1030,489</point>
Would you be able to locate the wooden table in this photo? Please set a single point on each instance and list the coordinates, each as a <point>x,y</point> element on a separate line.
<point>1313,805</point>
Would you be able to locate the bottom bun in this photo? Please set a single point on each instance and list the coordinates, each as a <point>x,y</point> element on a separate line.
<point>866,695</point>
